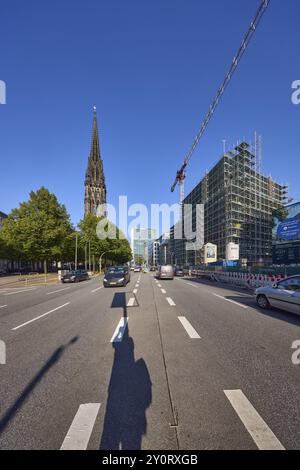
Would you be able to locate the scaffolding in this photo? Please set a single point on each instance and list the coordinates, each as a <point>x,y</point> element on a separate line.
<point>239,201</point>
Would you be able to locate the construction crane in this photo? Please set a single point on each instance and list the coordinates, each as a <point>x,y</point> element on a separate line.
<point>180,175</point>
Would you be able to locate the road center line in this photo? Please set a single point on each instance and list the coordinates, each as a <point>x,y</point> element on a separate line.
<point>163,291</point>
<point>170,301</point>
<point>81,428</point>
<point>95,290</point>
<point>59,290</point>
<point>188,328</point>
<point>262,435</point>
<point>119,331</point>
<point>229,300</point>
<point>40,316</point>
<point>130,302</point>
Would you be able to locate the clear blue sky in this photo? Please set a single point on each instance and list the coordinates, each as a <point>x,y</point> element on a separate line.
<point>151,67</point>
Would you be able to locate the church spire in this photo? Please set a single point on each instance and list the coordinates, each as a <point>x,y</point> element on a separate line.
<point>95,189</point>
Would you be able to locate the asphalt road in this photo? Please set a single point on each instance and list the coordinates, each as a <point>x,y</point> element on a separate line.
<point>179,364</point>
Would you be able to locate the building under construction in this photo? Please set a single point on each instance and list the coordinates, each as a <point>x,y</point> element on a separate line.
<point>238,204</point>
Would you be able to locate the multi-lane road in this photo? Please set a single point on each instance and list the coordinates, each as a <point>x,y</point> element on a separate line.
<point>179,364</point>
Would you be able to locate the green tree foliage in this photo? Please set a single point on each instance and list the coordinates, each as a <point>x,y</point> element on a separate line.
<point>118,250</point>
<point>40,229</point>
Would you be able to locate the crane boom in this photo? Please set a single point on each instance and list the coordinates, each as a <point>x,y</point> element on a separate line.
<point>180,175</point>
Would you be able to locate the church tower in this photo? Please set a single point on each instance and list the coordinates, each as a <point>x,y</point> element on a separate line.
<point>95,189</point>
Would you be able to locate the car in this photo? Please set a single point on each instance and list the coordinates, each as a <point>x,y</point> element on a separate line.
<point>153,268</point>
<point>178,272</point>
<point>165,272</point>
<point>75,276</point>
<point>137,269</point>
<point>284,295</point>
<point>116,276</point>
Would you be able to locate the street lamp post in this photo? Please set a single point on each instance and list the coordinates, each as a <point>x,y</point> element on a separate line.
<point>100,259</point>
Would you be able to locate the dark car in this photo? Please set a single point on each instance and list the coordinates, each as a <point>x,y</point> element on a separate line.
<point>75,276</point>
<point>153,268</point>
<point>116,276</point>
<point>178,272</point>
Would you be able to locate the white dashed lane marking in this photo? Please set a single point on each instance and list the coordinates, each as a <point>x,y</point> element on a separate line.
<point>119,331</point>
<point>59,290</point>
<point>81,428</point>
<point>170,301</point>
<point>95,290</point>
<point>131,302</point>
<point>260,432</point>
<point>189,328</point>
<point>163,291</point>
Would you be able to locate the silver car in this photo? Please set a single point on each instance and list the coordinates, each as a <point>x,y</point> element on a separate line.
<point>284,294</point>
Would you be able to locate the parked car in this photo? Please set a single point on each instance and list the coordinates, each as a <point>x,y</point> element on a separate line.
<point>178,272</point>
<point>75,276</point>
<point>165,272</point>
<point>116,276</point>
<point>284,294</point>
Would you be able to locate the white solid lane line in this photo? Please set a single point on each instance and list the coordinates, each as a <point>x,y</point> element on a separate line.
<point>170,301</point>
<point>2,306</point>
<point>119,331</point>
<point>81,428</point>
<point>41,316</point>
<point>163,291</point>
<point>95,290</point>
<point>229,300</point>
<point>189,284</point>
<point>130,302</point>
<point>19,291</point>
<point>59,290</point>
<point>188,328</point>
<point>260,432</point>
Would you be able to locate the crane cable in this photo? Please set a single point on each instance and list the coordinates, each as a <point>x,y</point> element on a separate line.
<point>247,38</point>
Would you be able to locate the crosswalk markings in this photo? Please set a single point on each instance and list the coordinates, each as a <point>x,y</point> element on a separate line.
<point>119,331</point>
<point>189,328</point>
<point>81,428</point>
<point>262,435</point>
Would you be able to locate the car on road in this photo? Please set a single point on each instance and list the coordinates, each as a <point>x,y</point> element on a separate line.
<point>137,269</point>
<point>75,276</point>
<point>116,276</point>
<point>284,295</point>
<point>178,272</point>
<point>165,272</point>
<point>153,268</point>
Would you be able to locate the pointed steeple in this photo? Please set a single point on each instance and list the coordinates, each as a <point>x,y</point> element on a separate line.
<point>95,189</point>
